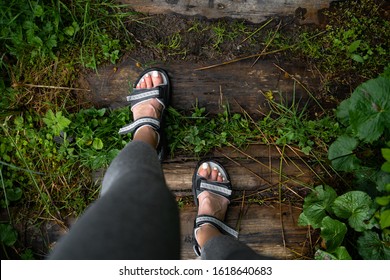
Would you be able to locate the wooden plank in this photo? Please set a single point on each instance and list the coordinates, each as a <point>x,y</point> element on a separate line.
<point>251,10</point>
<point>263,228</point>
<point>260,171</point>
<point>239,84</point>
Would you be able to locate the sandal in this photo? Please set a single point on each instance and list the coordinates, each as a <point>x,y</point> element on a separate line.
<point>199,185</point>
<point>162,93</point>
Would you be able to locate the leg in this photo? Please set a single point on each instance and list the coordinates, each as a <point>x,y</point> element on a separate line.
<point>136,216</point>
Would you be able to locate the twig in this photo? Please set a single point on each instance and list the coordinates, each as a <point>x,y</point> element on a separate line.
<point>257,30</point>
<point>51,87</point>
<point>273,37</point>
<point>280,202</point>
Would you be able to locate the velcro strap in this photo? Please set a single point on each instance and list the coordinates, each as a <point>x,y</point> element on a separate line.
<point>153,122</point>
<point>203,219</point>
<point>143,94</point>
<point>215,188</point>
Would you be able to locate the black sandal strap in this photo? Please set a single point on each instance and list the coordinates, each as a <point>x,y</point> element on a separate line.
<point>221,226</point>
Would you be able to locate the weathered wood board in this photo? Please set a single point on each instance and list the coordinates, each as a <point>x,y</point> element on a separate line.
<point>260,171</point>
<point>270,230</point>
<point>240,84</point>
<point>252,10</point>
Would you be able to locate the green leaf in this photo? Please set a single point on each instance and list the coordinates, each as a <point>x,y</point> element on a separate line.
<point>371,247</point>
<point>357,58</point>
<point>333,232</point>
<point>386,153</point>
<point>56,122</point>
<point>323,255</point>
<point>342,112</point>
<point>317,204</point>
<point>303,220</point>
<point>341,253</point>
<point>14,194</point>
<point>384,219</point>
<point>383,200</point>
<point>341,154</point>
<point>356,206</point>
<point>97,144</point>
<point>8,234</point>
<point>369,109</point>
<point>354,46</point>
<point>69,30</point>
<point>386,167</point>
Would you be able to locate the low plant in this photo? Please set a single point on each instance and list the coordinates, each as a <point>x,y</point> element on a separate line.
<point>355,44</point>
<point>358,220</point>
<point>285,124</point>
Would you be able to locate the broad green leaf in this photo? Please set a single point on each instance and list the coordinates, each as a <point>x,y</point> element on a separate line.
<point>97,144</point>
<point>323,255</point>
<point>384,219</point>
<point>371,247</point>
<point>333,232</point>
<point>369,110</point>
<point>303,220</point>
<point>341,253</point>
<point>341,154</point>
<point>383,200</point>
<point>317,204</point>
<point>356,206</point>
<point>386,153</point>
<point>342,112</point>
<point>8,234</point>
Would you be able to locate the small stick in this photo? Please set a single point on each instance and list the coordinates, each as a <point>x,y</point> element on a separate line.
<point>51,87</point>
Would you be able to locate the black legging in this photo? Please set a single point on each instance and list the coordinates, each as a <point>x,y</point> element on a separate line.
<point>136,217</point>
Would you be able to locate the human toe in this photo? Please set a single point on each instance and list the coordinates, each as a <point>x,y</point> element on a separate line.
<point>204,170</point>
<point>156,78</point>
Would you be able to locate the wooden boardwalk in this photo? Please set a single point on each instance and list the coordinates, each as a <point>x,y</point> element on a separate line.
<point>268,224</point>
<point>268,188</point>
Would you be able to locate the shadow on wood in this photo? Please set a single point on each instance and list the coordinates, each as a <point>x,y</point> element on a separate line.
<point>269,230</point>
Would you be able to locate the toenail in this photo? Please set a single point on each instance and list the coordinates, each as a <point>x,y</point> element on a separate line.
<point>146,75</point>
<point>155,74</point>
<point>142,80</point>
<point>205,165</point>
<point>219,174</point>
